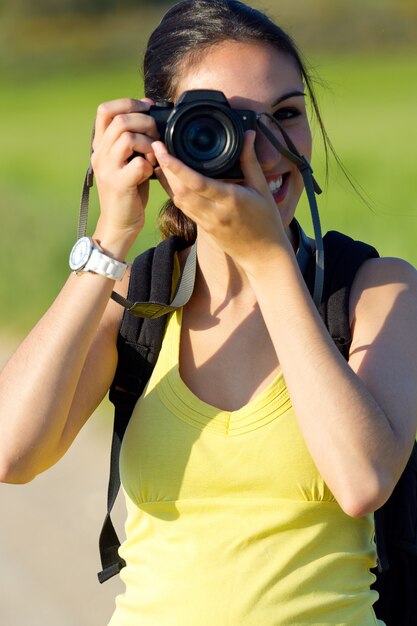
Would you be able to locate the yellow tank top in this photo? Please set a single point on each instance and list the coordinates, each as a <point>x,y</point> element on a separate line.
<point>229,522</point>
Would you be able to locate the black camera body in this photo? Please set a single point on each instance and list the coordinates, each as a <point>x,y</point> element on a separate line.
<point>204,132</point>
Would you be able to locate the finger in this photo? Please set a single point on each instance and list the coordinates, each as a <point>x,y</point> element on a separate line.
<point>167,174</point>
<point>252,171</point>
<point>137,171</point>
<point>163,181</point>
<point>107,111</point>
<point>175,177</point>
<point>177,172</point>
<point>119,144</point>
<point>131,125</point>
<point>131,145</point>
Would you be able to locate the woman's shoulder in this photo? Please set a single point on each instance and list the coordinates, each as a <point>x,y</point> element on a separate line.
<point>385,272</point>
<point>380,284</point>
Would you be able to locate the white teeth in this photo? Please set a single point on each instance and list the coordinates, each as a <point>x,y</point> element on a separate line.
<point>275,185</point>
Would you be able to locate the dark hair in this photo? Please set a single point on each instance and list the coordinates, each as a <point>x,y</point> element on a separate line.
<point>185,33</point>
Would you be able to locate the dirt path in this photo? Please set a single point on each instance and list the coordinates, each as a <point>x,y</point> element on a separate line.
<point>49,533</point>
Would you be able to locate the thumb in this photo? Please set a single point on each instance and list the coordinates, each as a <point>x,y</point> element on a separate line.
<point>252,171</point>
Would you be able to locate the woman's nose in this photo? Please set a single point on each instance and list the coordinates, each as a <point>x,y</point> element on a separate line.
<point>268,155</point>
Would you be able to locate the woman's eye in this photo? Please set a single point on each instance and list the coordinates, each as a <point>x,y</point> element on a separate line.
<point>287,113</point>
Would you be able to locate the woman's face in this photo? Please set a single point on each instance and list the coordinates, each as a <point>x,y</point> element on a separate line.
<point>258,77</point>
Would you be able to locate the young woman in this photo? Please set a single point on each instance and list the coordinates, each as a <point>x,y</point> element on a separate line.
<point>257,454</point>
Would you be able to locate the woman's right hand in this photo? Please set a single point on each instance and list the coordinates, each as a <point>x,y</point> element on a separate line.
<point>121,129</point>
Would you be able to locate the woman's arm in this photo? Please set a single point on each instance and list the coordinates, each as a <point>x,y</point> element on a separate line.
<point>359,419</point>
<point>61,372</point>
<point>57,378</point>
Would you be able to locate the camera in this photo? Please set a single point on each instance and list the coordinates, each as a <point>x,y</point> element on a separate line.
<point>204,132</point>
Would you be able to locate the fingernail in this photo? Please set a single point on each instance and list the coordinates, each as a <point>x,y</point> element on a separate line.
<point>252,135</point>
<point>162,159</point>
<point>159,152</point>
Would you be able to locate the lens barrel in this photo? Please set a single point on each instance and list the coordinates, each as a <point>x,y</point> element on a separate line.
<point>208,138</point>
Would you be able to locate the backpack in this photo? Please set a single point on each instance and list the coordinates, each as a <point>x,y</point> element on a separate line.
<point>139,343</point>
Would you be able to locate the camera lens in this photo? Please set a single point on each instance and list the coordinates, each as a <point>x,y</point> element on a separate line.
<point>204,138</point>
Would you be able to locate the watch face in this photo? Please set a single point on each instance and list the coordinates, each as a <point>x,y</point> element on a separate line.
<point>80,253</point>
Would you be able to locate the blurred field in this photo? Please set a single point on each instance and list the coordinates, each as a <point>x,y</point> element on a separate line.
<point>53,76</point>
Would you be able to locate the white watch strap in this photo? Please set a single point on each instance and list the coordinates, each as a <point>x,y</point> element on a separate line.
<point>100,263</point>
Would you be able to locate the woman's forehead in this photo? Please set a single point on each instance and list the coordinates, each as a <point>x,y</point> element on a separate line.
<point>251,72</point>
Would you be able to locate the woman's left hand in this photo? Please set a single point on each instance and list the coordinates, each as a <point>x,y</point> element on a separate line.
<point>224,209</point>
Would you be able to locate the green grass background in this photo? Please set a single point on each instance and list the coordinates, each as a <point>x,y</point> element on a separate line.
<point>369,105</point>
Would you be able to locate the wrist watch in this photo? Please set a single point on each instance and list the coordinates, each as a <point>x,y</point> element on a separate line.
<point>87,256</point>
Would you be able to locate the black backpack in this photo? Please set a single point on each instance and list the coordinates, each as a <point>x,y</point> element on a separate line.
<point>139,343</point>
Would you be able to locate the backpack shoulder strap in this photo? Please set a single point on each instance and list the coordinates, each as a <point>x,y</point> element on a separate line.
<point>138,344</point>
<point>150,280</point>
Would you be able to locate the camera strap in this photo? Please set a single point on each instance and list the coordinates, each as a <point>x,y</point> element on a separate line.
<point>311,187</point>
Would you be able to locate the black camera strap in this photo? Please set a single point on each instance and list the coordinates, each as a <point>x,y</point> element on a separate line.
<point>311,187</point>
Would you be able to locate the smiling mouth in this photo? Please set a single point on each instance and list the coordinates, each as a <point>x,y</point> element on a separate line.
<point>275,185</point>
<point>279,186</point>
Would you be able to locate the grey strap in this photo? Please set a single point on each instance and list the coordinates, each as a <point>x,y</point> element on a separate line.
<point>311,188</point>
<point>182,294</point>
<point>306,247</point>
<point>85,197</point>
<point>85,194</point>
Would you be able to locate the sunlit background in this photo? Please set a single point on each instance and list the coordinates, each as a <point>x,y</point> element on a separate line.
<point>58,60</point>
